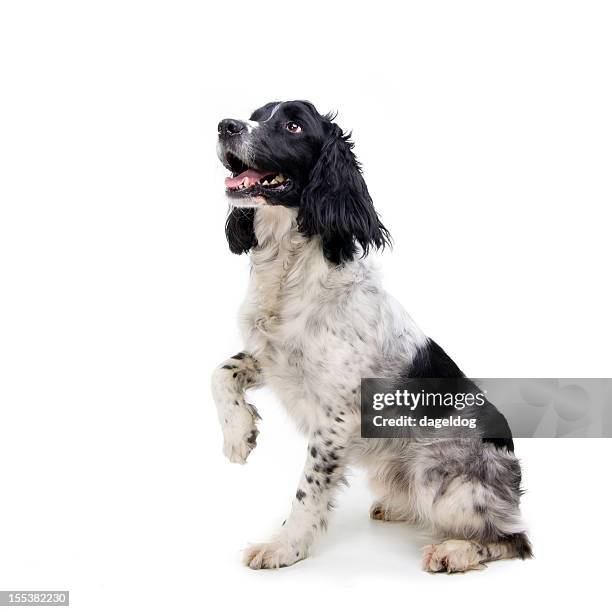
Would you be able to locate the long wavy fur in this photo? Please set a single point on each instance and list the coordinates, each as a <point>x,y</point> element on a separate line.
<point>337,206</point>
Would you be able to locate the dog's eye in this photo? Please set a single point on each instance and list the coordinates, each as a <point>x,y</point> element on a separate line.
<point>293,127</point>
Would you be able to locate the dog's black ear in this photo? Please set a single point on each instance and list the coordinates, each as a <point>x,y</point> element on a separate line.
<point>336,204</point>
<point>239,230</point>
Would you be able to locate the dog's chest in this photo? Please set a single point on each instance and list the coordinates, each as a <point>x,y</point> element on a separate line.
<point>288,326</point>
<point>276,312</point>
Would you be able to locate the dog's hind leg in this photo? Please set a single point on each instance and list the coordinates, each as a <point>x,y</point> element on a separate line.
<point>462,555</point>
<point>237,417</point>
<point>469,494</point>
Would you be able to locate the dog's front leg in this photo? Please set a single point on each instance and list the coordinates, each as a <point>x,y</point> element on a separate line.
<point>324,470</point>
<point>237,417</point>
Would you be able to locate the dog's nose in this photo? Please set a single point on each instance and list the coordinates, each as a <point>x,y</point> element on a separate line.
<point>230,127</point>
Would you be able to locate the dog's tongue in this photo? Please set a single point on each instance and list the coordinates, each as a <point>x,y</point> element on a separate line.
<point>254,176</point>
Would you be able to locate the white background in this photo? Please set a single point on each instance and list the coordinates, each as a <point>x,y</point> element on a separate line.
<point>484,129</point>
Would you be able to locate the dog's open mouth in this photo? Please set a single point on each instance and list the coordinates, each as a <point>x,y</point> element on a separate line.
<point>250,181</point>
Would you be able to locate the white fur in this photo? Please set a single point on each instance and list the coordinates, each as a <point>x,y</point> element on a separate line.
<point>314,330</point>
<point>311,332</point>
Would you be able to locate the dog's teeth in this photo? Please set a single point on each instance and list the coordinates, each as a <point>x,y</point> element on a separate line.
<point>274,181</point>
<point>246,182</point>
<point>264,182</point>
<point>279,178</point>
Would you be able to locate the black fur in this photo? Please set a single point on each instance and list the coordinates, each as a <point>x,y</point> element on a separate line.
<point>326,184</point>
<point>239,230</point>
<point>520,544</point>
<point>336,204</point>
<point>431,362</point>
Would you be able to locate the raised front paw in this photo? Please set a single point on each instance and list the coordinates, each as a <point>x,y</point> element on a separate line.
<point>240,432</point>
<point>273,555</point>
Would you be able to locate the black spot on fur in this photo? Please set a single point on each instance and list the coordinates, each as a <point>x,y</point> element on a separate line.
<point>238,356</point>
<point>431,362</point>
<point>300,495</point>
<point>313,451</point>
<point>228,367</point>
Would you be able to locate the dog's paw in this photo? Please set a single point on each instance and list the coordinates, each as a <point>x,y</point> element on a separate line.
<point>378,512</point>
<point>240,433</point>
<point>382,512</point>
<point>273,555</point>
<point>451,556</point>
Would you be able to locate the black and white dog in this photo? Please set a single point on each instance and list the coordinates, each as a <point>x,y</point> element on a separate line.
<point>315,321</point>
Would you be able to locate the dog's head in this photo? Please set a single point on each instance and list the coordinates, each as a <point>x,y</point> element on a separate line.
<point>287,154</point>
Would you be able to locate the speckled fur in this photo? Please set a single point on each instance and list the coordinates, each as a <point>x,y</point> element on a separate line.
<point>312,330</point>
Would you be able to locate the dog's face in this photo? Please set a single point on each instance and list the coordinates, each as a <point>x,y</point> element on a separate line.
<point>272,155</point>
<point>287,154</point>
